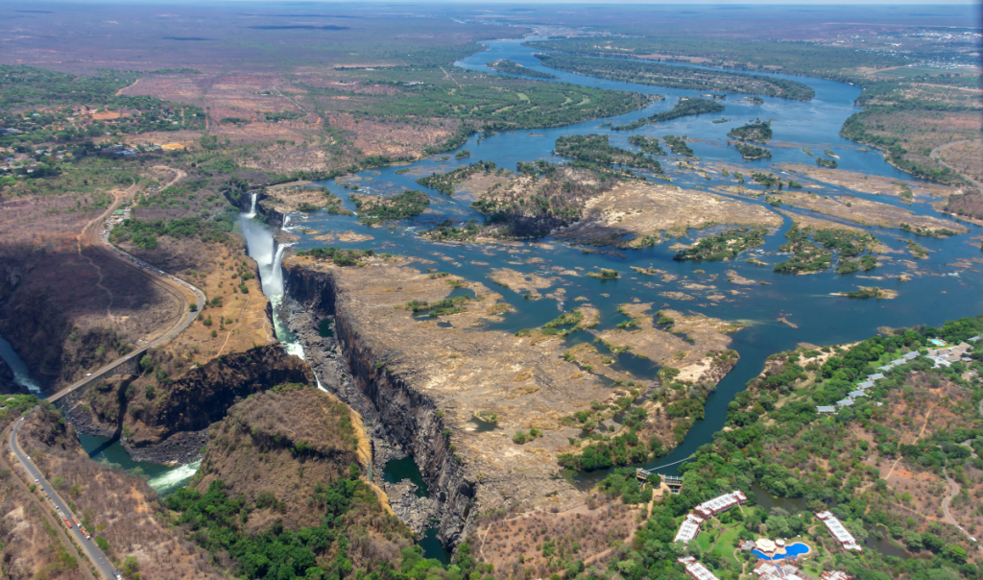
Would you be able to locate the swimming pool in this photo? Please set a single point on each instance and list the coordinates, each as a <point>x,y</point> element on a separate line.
<point>791,551</point>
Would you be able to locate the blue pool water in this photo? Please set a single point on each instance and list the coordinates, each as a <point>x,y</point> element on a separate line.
<point>791,551</point>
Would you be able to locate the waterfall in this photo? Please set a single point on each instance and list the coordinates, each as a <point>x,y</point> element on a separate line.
<point>252,206</point>
<point>286,220</point>
<point>275,285</point>
<point>22,376</point>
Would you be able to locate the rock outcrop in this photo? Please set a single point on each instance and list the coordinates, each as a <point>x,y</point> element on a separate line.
<point>163,420</point>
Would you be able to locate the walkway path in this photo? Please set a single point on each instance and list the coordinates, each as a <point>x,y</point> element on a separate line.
<point>955,490</point>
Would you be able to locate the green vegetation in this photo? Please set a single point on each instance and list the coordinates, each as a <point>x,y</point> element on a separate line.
<point>769,180</point>
<point>604,274</point>
<point>400,206</point>
<point>757,130</point>
<point>445,182</point>
<point>865,263</point>
<point>867,293</point>
<point>683,108</point>
<point>514,68</point>
<point>888,101</point>
<point>676,77</point>
<point>440,308</point>
<point>810,257</point>
<point>592,150</point>
<point>752,152</point>
<point>723,246</point>
<point>678,145</point>
<point>648,145</point>
<point>810,59</point>
<point>827,163</point>
<point>144,234</point>
<point>47,106</point>
<point>276,116</point>
<point>447,232</point>
<point>489,105</point>
<point>462,154</point>
<point>339,256</point>
<point>217,523</point>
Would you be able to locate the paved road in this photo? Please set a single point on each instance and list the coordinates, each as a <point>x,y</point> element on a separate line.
<point>102,563</point>
<point>100,242</point>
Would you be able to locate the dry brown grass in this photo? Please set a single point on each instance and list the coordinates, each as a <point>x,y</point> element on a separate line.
<point>582,533</point>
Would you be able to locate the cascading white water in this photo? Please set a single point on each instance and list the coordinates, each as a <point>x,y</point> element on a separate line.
<point>22,376</point>
<point>252,207</point>
<point>274,286</point>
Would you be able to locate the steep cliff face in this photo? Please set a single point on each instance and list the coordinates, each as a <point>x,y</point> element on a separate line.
<point>404,416</point>
<point>163,419</point>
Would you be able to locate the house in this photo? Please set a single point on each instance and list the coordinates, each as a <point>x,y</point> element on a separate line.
<point>844,403</point>
<point>689,529</point>
<point>720,504</point>
<point>974,339</point>
<point>898,362</point>
<point>857,394</point>
<point>875,376</point>
<point>696,570</point>
<point>885,368</point>
<point>839,531</point>
<point>835,575</point>
<point>910,356</point>
<point>865,385</point>
<point>821,409</point>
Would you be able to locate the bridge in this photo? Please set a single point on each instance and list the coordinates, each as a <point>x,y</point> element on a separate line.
<point>674,482</point>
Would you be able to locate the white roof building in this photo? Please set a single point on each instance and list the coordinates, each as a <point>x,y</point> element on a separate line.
<point>719,504</point>
<point>866,385</point>
<point>856,394</point>
<point>835,575</point>
<point>910,356</point>
<point>845,402</point>
<point>689,529</point>
<point>839,531</point>
<point>875,376</point>
<point>825,409</point>
<point>696,570</point>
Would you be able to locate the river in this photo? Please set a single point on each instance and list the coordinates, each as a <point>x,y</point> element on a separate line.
<point>943,292</point>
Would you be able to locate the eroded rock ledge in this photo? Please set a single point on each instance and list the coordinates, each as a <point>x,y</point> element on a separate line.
<point>419,382</point>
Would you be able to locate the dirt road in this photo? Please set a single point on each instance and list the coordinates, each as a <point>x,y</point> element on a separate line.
<point>935,156</point>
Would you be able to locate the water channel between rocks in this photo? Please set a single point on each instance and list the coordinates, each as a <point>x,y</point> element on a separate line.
<point>940,292</point>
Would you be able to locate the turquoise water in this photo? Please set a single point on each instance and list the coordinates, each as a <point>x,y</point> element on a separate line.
<point>791,551</point>
<point>164,479</point>
<point>399,469</point>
